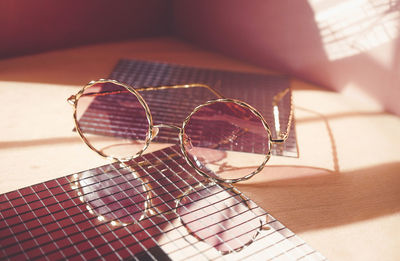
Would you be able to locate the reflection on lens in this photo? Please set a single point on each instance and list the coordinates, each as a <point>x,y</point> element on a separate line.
<point>218,216</point>
<point>226,140</point>
<point>112,197</point>
<point>112,120</point>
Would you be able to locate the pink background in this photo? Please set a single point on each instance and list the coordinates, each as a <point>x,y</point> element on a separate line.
<point>279,35</point>
<point>33,26</point>
<point>283,36</point>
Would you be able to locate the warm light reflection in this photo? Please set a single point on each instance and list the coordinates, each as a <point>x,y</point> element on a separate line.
<point>355,26</point>
<point>356,93</point>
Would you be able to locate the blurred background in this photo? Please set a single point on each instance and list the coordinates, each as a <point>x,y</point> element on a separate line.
<point>351,46</point>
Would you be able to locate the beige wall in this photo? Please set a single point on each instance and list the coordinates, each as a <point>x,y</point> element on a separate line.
<point>350,46</point>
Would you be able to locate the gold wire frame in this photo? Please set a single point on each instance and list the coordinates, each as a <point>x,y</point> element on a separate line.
<point>242,104</point>
<point>74,101</point>
<point>282,136</point>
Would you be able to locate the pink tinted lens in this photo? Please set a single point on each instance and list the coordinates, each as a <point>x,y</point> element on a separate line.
<point>221,139</point>
<point>112,120</point>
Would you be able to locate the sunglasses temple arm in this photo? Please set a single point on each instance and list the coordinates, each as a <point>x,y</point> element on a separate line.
<point>191,85</point>
<point>281,136</point>
<point>72,99</point>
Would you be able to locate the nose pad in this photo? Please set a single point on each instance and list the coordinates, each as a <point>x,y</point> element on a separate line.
<point>187,142</point>
<point>154,132</point>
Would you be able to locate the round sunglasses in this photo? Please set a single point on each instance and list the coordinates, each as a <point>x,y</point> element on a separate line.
<point>115,121</point>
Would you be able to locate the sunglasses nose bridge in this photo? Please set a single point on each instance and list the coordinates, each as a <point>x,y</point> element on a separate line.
<point>156,128</point>
<point>170,126</point>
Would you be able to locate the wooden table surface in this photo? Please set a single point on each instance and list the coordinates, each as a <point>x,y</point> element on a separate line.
<point>341,195</point>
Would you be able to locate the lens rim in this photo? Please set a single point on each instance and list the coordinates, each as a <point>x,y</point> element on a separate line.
<point>244,105</point>
<point>141,101</point>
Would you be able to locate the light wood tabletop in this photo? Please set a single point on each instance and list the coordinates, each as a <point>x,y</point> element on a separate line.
<point>341,195</point>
